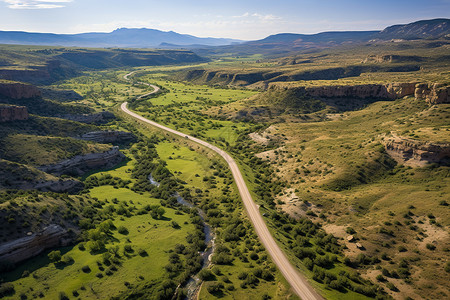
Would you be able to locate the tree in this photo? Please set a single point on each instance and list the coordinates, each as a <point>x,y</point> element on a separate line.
<point>55,256</point>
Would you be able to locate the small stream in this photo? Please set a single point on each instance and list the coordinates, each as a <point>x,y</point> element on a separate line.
<point>193,284</point>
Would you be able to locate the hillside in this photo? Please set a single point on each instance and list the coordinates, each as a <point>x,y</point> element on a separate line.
<point>285,44</point>
<point>43,65</point>
<point>426,29</point>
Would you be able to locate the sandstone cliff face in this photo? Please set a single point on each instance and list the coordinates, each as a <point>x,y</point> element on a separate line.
<point>30,246</point>
<point>17,90</point>
<point>80,164</point>
<point>377,91</point>
<point>109,136</point>
<point>389,58</point>
<point>433,93</point>
<point>13,113</point>
<point>22,177</point>
<point>416,153</point>
<point>388,91</point>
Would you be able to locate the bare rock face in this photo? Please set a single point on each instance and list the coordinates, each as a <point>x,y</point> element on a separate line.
<point>13,113</point>
<point>389,58</point>
<point>387,91</point>
<point>80,164</point>
<point>17,176</point>
<point>17,90</point>
<point>416,153</point>
<point>30,246</point>
<point>432,93</point>
<point>109,136</point>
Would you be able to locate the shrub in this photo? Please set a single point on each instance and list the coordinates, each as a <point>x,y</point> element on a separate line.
<point>142,252</point>
<point>430,246</point>
<point>122,230</point>
<point>85,269</point>
<point>128,248</point>
<point>6,289</point>
<point>63,296</point>
<point>215,288</point>
<point>55,256</point>
<point>391,286</point>
<point>206,275</point>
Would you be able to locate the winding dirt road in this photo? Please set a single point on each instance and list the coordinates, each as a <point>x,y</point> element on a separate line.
<point>297,281</point>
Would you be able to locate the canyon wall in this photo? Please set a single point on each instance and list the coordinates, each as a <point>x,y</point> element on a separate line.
<point>417,153</point>
<point>13,113</point>
<point>34,244</point>
<point>17,90</point>
<point>80,164</point>
<point>431,93</point>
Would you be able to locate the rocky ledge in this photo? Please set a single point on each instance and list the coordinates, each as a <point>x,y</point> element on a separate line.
<point>34,244</point>
<point>17,90</point>
<point>13,113</point>
<point>417,153</point>
<point>80,164</point>
<point>431,93</point>
<point>109,137</point>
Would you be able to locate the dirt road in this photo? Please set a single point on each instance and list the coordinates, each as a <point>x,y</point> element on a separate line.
<point>297,281</point>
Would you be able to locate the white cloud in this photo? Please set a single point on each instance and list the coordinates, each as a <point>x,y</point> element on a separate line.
<point>36,4</point>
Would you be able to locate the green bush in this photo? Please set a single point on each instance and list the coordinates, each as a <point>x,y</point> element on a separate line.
<point>122,230</point>
<point>6,289</point>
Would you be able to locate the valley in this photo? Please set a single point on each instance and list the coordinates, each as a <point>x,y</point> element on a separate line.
<point>321,174</point>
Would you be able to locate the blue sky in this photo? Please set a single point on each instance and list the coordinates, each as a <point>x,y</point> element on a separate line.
<point>241,19</point>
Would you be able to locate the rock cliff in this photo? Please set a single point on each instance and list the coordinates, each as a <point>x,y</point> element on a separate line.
<point>30,246</point>
<point>387,91</point>
<point>417,153</point>
<point>18,176</point>
<point>109,136</point>
<point>17,90</point>
<point>13,113</point>
<point>433,93</point>
<point>80,164</point>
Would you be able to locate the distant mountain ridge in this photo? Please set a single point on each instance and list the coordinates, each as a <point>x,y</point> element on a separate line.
<point>281,43</point>
<point>122,37</point>
<point>425,29</point>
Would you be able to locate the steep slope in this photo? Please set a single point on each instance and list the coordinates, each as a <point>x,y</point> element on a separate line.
<point>426,29</point>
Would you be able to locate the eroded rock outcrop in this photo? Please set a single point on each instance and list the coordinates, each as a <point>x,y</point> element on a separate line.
<point>30,246</point>
<point>17,90</point>
<point>80,164</point>
<point>23,177</point>
<point>417,153</point>
<point>109,137</point>
<point>13,113</point>
<point>433,93</point>
<point>380,91</point>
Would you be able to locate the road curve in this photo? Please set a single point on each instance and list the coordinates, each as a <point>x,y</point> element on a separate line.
<point>297,281</point>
